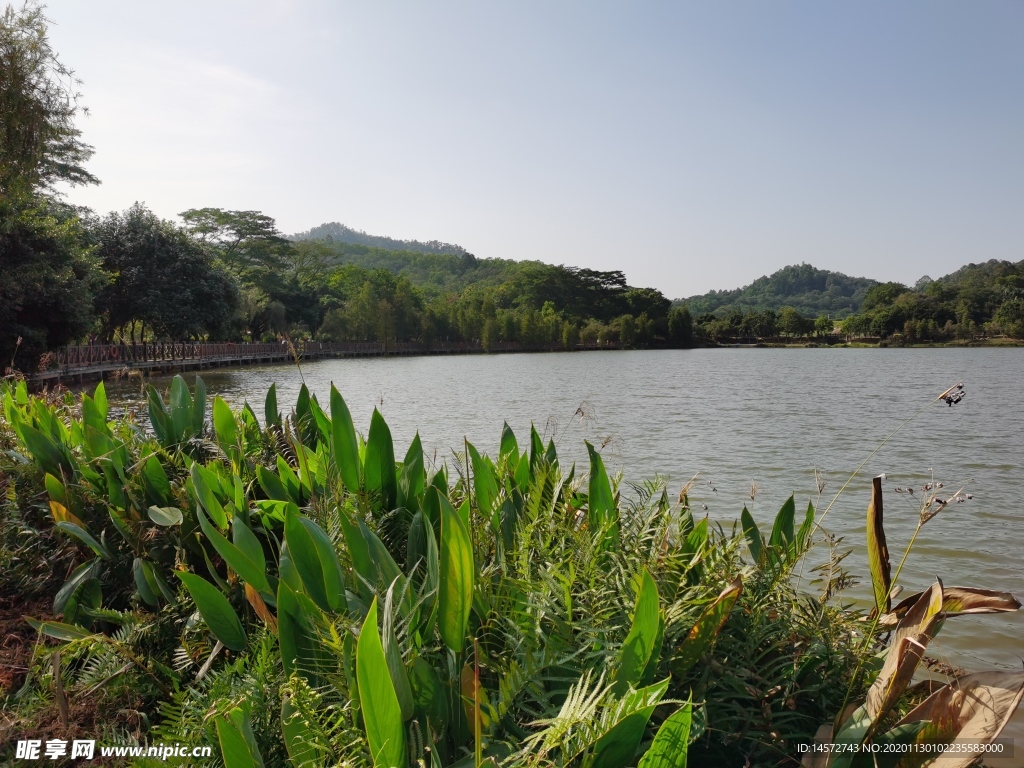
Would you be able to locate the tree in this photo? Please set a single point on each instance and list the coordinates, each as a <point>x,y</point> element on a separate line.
<point>162,278</point>
<point>792,322</point>
<point>39,143</point>
<point>247,242</point>
<point>680,327</point>
<point>48,276</point>
<point>48,279</point>
<point>823,325</point>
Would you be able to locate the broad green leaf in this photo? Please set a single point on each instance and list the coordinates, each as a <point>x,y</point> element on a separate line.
<point>59,630</point>
<point>47,453</point>
<point>303,748</point>
<point>157,485</point>
<point>414,478</point>
<point>271,415</point>
<point>225,427</point>
<point>216,610</point>
<point>878,551</point>
<point>346,451</point>
<point>314,558</point>
<point>83,572</point>
<point>159,418</point>
<point>671,742</point>
<point>165,516</point>
<point>290,481</point>
<point>237,744</point>
<point>99,398</point>
<point>85,537</point>
<point>704,632</point>
<point>755,541</point>
<point>86,598</point>
<point>251,569</point>
<point>536,449</point>
<point>201,480</point>
<point>382,714</point>
<point>181,410</point>
<point>297,634</point>
<point>272,485</point>
<point>457,576</point>
<point>803,535</point>
<point>782,532</point>
<point>636,650</point>
<point>428,693</point>
<point>142,583</point>
<point>379,467</point>
<point>393,654</point>
<point>509,450</point>
<point>601,511</point>
<point>485,484</point>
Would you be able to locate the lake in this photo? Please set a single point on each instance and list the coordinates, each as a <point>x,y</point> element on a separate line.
<point>740,416</point>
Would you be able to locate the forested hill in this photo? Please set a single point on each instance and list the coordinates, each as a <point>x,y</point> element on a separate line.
<point>435,273</point>
<point>810,291</point>
<point>339,233</point>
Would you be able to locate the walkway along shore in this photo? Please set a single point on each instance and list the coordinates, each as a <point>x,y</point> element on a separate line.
<point>90,362</point>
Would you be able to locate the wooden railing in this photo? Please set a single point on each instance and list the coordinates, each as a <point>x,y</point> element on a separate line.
<point>106,356</point>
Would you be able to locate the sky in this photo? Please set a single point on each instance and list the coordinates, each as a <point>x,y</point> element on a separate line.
<point>695,146</point>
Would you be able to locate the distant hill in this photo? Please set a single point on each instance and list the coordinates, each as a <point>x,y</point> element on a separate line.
<point>434,272</point>
<point>339,233</point>
<point>810,291</point>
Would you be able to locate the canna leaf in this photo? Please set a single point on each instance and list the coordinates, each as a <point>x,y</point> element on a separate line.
<point>343,438</point>
<point>381,712</point>
<point>87,570</point>
<point>755,541</point>
<point>59,630</point>
<point>457,575</point>
<point>201,481</point>
<point>643,634</point>
<point>85,537</point>
<point>782,535</point>
<point>672,741</point>
<point>601,511</point>
<point>215,609</point>
<point>250,566</point>
<point>296,634</point>
<point>414,477</point>
<point>379,467</point>
<point>484,483</point>
<point>225,427</point>
<point>271,415</point>
<point>509,451</point>
<point>314,558</point>
<point>165,516</point>
<point>704,632</point>
<point>237,742</point>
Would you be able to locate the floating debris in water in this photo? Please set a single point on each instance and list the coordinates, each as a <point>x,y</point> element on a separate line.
<point>953,395</point>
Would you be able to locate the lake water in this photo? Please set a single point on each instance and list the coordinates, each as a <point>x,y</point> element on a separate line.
<point>741,416</point>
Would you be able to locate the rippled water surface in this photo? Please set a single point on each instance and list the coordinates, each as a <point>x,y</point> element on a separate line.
<point>742,416</point>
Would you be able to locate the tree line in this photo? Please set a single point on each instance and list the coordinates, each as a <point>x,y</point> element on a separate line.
<point>71,275</point>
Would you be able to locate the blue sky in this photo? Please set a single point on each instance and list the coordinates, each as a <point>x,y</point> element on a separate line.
<point>694,145</point>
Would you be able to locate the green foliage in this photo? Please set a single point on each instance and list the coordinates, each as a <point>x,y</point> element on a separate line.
<point>466,626</point>
<point>809,291</point>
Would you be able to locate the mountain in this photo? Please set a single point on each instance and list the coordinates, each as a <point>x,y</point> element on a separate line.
<point>339,233</point>
<point>810,291</point>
